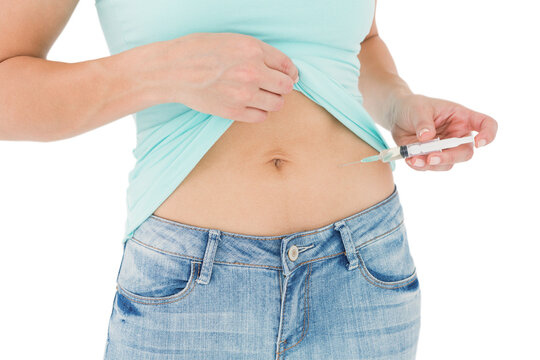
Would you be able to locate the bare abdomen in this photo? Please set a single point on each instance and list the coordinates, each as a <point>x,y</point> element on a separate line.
<point>280,176</point>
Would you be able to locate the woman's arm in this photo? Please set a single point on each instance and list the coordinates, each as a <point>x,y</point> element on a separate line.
<point>43,100</point>
<point>379,81</point>
<point>414,117</point>
<point>226,74</point>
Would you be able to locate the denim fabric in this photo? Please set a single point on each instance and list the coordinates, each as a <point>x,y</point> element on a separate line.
<point>348,290</point>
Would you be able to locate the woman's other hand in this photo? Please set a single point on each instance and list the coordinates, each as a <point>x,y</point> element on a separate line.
<point>417,118</point>
<point>231,75</point>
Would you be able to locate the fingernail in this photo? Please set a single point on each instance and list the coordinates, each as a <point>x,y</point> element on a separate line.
<point>422,131</point>
<point>434,160</point>
<point>419,163</point>
<point>481,142</point>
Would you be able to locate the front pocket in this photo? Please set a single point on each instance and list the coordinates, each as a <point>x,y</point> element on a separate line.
<point>386,261</point>
<point>150,276</point>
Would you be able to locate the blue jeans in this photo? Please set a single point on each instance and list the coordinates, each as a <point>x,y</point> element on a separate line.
<point>348,290</point>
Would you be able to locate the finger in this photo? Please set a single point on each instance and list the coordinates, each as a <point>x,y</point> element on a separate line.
<point>275,81</point>
<point>267,101</point>
<point>461,153</point>
<point>439,167</point>
<point>251,115</point>
<point>277,60</point>
<point>420,164</point>
<point>417,162</point>
<point>485,126</point>
<point>422,118</point>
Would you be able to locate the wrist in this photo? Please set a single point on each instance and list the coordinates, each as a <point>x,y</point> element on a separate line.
<point>142,68</point>
<point>125,83</point>
<point>398,91</point>
<point>163,70</point>
<point>118,86</point>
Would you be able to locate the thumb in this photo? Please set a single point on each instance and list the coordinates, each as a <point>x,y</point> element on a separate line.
<point>425,128</point>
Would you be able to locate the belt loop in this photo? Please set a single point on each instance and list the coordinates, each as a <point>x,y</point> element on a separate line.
<point>346,237</point>
<point>208,259</point>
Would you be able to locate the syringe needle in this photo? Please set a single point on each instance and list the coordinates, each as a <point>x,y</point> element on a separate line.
<point>354,162</point>
<point>371,158</point>
<point>368,159</point>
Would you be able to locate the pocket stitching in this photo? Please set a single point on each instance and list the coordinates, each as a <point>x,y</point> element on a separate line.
<point>372,279</point>
<point>384,284</point>
<point>161,300</point>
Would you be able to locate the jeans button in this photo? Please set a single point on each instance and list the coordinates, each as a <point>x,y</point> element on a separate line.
<point>293,253</point>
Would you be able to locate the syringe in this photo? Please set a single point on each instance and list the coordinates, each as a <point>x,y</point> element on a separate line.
<point>418,148</point>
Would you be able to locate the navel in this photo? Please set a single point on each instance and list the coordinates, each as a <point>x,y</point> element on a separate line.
<point>278,163</point>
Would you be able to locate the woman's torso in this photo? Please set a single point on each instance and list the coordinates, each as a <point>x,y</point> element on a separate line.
<point>270,178</point>
<point>280,176</point>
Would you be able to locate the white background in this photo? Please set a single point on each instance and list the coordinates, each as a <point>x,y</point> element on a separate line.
<point>472,230</point>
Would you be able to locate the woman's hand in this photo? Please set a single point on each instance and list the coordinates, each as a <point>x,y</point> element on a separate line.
<point>417,118</point>
<point>235,76</point>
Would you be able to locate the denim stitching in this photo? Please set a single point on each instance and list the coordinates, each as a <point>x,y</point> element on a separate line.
<point>265,266</point>
<point>164,251</point>
<point>231,263</point>
<point>306,310</point>
<point>198,258</point>
<point>280,286</point>
<point>378,237</point>
<point>133,297</point>
<point>385,284</point>
<point>319,258</point>
<point>283,322</point>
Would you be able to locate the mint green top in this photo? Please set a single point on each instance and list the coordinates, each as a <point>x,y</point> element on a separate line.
<point>322,39</point>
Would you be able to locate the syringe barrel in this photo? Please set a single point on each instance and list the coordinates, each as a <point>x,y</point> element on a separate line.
<point>423,148</point>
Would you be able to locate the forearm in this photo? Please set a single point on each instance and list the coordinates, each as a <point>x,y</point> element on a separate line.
<point>379,81</point>
<point>42,100</point>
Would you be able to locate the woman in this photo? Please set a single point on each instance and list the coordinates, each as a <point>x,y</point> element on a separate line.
<point>244,239</point>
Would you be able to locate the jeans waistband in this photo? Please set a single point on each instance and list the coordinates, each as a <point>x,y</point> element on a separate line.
<point>209,246</point>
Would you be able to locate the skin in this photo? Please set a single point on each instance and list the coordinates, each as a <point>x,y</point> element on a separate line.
<point>439,118</point>
<point>406,114</point>
<point>231,75</point>
<point>274,159</point>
